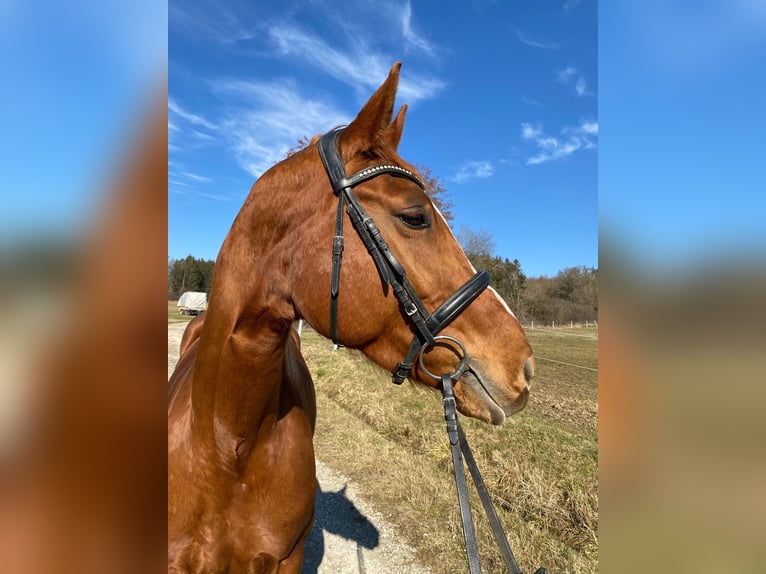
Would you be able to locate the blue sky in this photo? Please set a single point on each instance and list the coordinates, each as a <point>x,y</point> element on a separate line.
<point>682,161</point>
<point>75,78</point>
<point>680,88</point>
<point>502,95</point>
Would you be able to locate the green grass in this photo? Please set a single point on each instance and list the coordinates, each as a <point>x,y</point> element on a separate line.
<point>174,315</point>
<point>540,466</point>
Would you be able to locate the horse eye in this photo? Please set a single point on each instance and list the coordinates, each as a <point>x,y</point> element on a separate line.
<point>414,220</point>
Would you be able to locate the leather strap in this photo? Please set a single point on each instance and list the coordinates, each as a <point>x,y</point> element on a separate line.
<point>333,163</point>
<point>440,318</point>
<point>458,445</point>
<point>489,508</point>
<point>469,532</point>
<point>337,258</point>
<point>391,271</point>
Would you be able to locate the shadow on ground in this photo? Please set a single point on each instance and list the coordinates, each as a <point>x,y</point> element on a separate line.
<point>336,514</point>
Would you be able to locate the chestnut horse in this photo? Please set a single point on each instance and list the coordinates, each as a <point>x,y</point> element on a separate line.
<point>241,411</point>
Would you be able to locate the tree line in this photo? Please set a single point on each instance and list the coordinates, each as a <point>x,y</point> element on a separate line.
<point>571,295</point>
<point>189,274</point>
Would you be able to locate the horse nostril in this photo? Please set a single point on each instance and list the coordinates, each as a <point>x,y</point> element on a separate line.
<point>529,370</point>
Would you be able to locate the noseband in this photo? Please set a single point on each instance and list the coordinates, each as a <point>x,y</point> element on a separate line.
<point>427,325</point>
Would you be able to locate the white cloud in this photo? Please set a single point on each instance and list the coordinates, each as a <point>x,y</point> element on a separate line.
<point>190,185</point>
<point>589,128</point>
<point>410,36</point>
<point>581,87</point>
<point>473,170</point>
<point>195,177</point>
<point>188,116</point>
<point>359,66</point>
<point>187,130</point>
<point>210,19</point>
<point>528,131</point>
<point>266,119</point>
<point>530,101</point>
<point>566,74</point>
<point>570,73</point>
<point>536,44</point>
<point>572,139</point>
<point>570,4</point>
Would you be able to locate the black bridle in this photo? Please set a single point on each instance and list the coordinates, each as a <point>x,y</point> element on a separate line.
<point>427,325</point>
<point>427,328</point>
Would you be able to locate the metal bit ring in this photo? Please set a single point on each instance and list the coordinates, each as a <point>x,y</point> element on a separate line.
<point>460,352</point>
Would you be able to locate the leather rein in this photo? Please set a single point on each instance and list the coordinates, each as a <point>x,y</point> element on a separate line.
<point>427,327</point>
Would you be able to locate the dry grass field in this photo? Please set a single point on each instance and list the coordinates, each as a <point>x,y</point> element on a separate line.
<point>541,466</point>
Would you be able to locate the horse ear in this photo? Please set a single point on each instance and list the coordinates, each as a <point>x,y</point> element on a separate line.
<point>393,133</point>
<point>370,125</point>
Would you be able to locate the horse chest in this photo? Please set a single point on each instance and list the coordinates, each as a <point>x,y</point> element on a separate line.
<point>250,522</point>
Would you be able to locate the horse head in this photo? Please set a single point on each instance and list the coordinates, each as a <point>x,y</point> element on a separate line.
<point>369,317</point>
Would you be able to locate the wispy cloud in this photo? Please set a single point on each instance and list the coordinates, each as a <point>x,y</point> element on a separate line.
<point>570,4</point>
<point>473,170</point>
<point>530,101</point>
<point>210,19</point>
<point>259,120</point>
<point>356,65</point>
<point>535,43</point>
<point>580,137</point>
<point>187,133</point>
<point>581,88</point>
<point>187,130</point>
<point>193,186</point>
<point>188,116</point>
<point>410,36</point>
<point>195,177</point>
<point>265,119</point>
<point>572,76</point>
<point>565,75</point>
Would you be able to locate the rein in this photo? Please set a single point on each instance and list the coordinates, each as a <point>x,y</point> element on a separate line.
<point>459,445</point>
<point>427,327</point>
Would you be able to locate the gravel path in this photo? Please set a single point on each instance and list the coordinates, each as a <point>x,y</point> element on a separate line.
<point>349,536</point>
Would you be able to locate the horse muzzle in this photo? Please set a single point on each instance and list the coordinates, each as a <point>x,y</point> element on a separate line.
<point>478,397</point>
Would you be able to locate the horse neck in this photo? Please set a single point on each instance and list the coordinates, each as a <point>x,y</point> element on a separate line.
<point>239,368</point>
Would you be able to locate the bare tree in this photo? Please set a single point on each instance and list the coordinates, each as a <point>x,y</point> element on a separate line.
<point>437,192</point>
<point>478,242</point>
<point>301,143</point>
